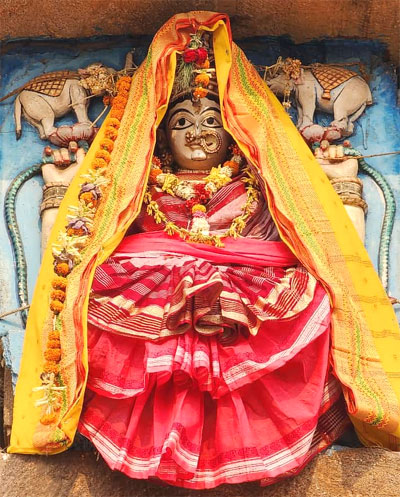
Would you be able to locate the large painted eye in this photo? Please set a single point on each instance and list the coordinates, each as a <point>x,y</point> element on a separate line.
<point>211,122</point>
<point>181,123</point>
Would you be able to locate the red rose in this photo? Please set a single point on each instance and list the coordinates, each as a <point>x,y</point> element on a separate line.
<point>190,55</point>
<point>201,55</point>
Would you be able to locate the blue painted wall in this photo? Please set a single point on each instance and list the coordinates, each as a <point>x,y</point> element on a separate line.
<point>378,130</point>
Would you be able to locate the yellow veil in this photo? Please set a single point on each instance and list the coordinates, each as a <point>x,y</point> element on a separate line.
<point>306,210</point>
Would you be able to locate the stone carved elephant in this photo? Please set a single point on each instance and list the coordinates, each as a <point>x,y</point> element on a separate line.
<point>52,95</point>
<point>346,101</point>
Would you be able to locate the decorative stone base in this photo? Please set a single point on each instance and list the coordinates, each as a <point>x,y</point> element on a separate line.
<point>348,473</point>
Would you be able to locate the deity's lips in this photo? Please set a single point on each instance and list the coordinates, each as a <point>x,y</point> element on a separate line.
<point>198,154</point>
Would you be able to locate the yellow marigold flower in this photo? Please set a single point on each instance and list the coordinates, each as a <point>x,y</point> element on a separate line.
<point>99,163</point>
<point>114,123</point>
<point>111,133</point>
<point>199,208</point>
<point>48,419</point>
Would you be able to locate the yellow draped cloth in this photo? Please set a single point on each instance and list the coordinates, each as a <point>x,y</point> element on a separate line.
<point>308,213</point>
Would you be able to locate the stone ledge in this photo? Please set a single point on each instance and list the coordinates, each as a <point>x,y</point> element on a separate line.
<point>348,473</point>
<point>303,20</point>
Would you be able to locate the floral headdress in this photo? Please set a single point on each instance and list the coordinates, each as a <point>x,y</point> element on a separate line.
<point>195,73</point>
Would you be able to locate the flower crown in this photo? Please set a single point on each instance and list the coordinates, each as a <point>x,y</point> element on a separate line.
<point>195,74</point>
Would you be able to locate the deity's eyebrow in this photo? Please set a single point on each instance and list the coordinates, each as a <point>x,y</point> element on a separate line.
<point>176,112</point>
<point>211,108</point>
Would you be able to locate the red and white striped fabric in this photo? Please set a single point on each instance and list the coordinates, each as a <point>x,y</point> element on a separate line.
<point>204,372</point>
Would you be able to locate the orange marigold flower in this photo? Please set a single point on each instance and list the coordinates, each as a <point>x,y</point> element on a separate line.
<point>232,165</point>
<point>76,232</point>
<point>124,93</point>
<point>202,79</point>
<point>56,306</point>
<point>119,107</point>
<point>114,123</point>
<point>107,144</point>
<point>119,101</point>
<point>62,269</point>
<point>53,355</point>
<point>155,161</point>
<point>58,295</point>
<point>117,114</point>
<point>124,82</point>
<point>107,99</point>
<point>111,133</point>
<point>53,344</point>
<point>88,198</point>
<point>54,335</point>
<point>103,154</point>
<point>59,283</point>
<point>51,367</point>
<point>200,92</point>
<point>205,64</point>
<point>48,419</point>
<point>99,163</point>
<point>153,176</point>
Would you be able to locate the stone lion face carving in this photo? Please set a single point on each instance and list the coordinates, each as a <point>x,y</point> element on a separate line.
<point>195,134</point>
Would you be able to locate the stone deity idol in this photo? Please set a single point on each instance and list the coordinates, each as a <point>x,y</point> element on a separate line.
<point>213,314</point>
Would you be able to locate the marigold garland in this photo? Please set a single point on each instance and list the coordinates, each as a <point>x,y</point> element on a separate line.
<point>106,143</point>
<point>54,344</point>
<point>66,254</point>
<point>54,335</point>
<point>62,269</point>
<point>56,306</point>
<point>111,132</point>
<point>112,122</point>
<point>103,154</point>
<point>117,113</point>
<point>58,295</point>
<point>237,226</point>
<point>53,355</point>
<point>59,283</point>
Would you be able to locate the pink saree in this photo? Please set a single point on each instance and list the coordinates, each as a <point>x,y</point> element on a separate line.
<point>209,365</point>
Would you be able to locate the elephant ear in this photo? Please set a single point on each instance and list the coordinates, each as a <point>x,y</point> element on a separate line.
<point>300,79</point>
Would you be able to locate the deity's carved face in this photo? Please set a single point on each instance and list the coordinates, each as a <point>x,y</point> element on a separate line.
<point>195,134</point>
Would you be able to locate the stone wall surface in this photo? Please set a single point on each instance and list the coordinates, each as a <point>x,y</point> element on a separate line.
<point>301,19</point>
<point>348,473</point>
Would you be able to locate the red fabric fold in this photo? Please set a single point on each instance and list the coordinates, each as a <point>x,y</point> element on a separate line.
<point>247,251</point>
